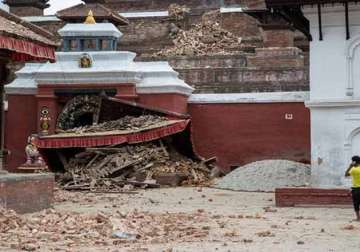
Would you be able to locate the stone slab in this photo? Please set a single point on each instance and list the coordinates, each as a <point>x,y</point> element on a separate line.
<point>26,193</point>
<point>173,179</point>
<point>290,197</point>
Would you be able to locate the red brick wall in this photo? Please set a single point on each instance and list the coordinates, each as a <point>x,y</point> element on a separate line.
<point>278,38</point>
<point>235,133</point>
<point>240,24</point>
<point>20,122</point>
<point>145,5</point>
<point>145,35</point>
<point>290,197</point>
<point>171,102</point>
<point>22,118</point>
<point>266,70</point>
<point>241,133</point>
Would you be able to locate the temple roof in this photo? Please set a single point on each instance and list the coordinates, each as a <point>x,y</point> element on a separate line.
<point>79,12</point>
<point>24,41</point>
<point>13,26</point>
<point>291,10</point>
<point>116,67</point>
<point>90,30</point>
<point>254,4</point>
<point>23,3</point>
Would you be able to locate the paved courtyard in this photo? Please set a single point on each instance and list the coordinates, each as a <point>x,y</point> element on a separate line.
<point>183,219</point>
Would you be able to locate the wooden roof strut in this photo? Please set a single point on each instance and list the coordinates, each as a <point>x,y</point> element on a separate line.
<point>347,20</point>
<point>320,22</point>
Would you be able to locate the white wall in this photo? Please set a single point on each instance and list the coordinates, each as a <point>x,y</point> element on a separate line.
<point>328,57</point>
<point>4,6</point>
<point>334,94</point>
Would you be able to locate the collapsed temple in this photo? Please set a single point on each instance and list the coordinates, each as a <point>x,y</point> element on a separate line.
<point>90,64</point>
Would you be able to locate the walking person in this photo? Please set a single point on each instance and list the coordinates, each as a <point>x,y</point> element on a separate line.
<point>354,172</point>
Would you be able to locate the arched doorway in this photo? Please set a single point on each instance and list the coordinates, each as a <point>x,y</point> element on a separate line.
<point>80,111</point>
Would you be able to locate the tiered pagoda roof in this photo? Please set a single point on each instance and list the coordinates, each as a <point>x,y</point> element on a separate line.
<point>79,12</point>
<point>42,4</point>
<point>15,27</point>
<point>291,10</point>
<point>24,40</point>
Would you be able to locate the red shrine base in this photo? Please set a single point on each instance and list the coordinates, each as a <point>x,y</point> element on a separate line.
<point>289,197</point>
<point>26,193</point>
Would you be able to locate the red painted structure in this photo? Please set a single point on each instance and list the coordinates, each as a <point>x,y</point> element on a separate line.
<point>23,116</point>
<point>236,133</point>
<point>46,97</point>
<point>58,141</point>
<point>245,132</point>
<point>290,197</point>
<point>20,122</point>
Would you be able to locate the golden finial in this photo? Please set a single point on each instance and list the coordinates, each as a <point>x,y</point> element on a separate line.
<point>90,18</point>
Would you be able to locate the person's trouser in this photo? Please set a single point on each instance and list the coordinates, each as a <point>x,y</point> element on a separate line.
<point>355,192</point>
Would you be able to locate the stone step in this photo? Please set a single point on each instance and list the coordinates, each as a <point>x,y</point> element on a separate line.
<point>289,197</point>
<point>26,193</point>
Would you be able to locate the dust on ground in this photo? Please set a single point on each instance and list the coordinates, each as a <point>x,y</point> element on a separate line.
<point>189,219</point>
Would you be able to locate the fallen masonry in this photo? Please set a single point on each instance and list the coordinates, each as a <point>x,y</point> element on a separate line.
<point>178,12</point>
<point>204,38</point>
<point>111,168</point>
<point>101,229</point>
<point>124,123</point>
<point>181,219</point>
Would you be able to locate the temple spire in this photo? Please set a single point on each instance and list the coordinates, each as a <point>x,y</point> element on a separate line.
<point>90,18</point>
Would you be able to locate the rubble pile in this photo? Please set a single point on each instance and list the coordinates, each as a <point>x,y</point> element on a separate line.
<point>266,176</point>
<point>69,229</point>
<point>124,123</point>
<point>178,12</point>
<point>113,168</point>
<point>204,38</point>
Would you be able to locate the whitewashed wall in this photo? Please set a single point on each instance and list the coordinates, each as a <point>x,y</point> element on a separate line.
<point>334,94</point>
<point>4,6</point>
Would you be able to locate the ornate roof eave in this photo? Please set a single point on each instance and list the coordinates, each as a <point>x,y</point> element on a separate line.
<point>287,7</point>
<point>43,36</point>
<point>43,4</point>
<point>25,41</point>
<point>293,16</point>
<point>80,11</point>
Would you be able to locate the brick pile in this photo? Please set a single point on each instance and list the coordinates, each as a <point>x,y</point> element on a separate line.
<point>120,168</point>
<point>127,123</point>
<point>178,12</point>
<point>204,38</point>
<point>64,230</point>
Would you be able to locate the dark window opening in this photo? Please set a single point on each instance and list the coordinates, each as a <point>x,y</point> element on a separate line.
<point>84,119</point>
<point>73,45</point>
<point>105,44</point>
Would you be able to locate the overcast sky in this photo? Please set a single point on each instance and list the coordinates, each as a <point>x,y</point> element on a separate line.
<point>57,5</point>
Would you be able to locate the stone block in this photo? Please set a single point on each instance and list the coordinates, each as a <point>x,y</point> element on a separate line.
<point>278,52</point>
<point>277,57</point>
<point>240,24</point>
<point>26,193</point>
<point>172,179</point>
<point>278,37</point>
<point>289,197</point>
